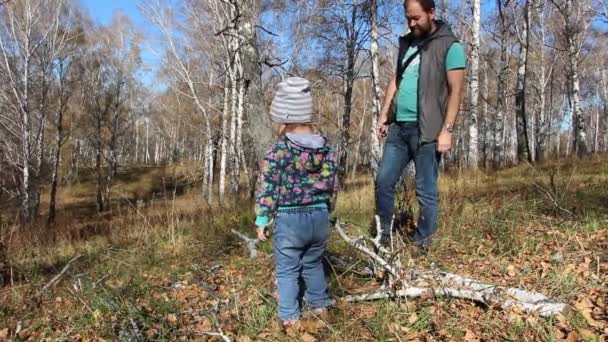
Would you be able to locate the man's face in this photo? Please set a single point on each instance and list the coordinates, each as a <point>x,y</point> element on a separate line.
<point>419,21</point>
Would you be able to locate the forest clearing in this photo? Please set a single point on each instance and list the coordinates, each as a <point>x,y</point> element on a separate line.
<point>171,268</point>
<point>428,170</point>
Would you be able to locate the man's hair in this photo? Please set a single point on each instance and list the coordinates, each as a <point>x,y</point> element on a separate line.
<point>427,5</point>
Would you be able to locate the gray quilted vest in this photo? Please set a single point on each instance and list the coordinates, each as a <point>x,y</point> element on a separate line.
<point>432,81</point>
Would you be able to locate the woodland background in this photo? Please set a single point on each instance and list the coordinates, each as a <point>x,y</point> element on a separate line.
<point>100,161</point>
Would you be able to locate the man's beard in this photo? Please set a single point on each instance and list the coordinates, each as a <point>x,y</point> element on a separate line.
<point>422,32</point>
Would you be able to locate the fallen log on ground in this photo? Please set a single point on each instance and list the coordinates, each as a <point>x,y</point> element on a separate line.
<point>401,284</point>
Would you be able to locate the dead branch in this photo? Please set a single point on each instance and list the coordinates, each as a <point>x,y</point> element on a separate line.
<point>251,243</point>
<point>361,247</point>
<point>58,276</point>
<point>211,333</point>
<point>451,285</point>
<point>544,309</point>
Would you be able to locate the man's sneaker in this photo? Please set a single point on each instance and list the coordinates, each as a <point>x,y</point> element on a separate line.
<point>385,241</point>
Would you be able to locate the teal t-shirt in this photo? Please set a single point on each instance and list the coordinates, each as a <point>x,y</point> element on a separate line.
<point>407,96</point>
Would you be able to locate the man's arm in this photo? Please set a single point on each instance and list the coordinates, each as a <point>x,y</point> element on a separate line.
<point>389,93</point>
<point>455,88</point>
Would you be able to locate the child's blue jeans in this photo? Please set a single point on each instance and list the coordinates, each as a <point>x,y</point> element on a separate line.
<point>299,244</point>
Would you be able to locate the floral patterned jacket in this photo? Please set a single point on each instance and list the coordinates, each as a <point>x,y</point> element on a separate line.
<point>294,175</point>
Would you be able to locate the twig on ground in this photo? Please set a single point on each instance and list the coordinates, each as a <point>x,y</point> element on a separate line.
<point>357,244</point>
<point>58,276</point>
<point>212,333</point>
<point>251,243</point>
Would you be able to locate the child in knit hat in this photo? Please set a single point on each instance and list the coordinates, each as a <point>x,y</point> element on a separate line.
<point>296,186</point>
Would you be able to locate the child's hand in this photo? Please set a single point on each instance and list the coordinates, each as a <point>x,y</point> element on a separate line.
<point>262,233</point>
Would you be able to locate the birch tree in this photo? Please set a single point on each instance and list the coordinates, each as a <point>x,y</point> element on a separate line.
<point>473,158</point>
<point>525,150</point>
<point>30,38</point>
<point>499,122</point>
<point>343,32</point>
<point>179,61</point>
<point>576,17</point>
<point>377,94</point>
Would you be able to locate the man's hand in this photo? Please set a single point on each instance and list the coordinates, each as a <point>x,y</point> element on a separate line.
<point>262,233</point>
<point>381,128</point>
<point>444,142</point>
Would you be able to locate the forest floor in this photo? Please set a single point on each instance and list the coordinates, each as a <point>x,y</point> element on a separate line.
<point>163,265</point>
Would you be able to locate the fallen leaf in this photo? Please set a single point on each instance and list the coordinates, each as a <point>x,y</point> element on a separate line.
<point>470,336</point>
<point>244,339</point>
<point>413,318</point>
<point>311,325</point>
<point>511,271</point>
<point>573,337</point>
<point>306,337</point>
<point>585,307</point>
<point>559,334</point>
<point>172,319</point>
<point>588,334</point>
<point>151,332</point>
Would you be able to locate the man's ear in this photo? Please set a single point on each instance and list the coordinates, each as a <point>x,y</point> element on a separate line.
<point>433,14</point>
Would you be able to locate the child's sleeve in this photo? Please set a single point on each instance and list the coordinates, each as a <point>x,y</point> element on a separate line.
<point>334,195</point>
<point>267,192</point>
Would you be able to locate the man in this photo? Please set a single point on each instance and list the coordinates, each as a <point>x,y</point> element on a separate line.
<point>426,91</point>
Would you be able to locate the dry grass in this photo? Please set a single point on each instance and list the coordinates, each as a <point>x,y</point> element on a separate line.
<point>171,268</point>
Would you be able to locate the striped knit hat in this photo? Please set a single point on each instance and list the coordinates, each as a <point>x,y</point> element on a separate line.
<point>292,102</point>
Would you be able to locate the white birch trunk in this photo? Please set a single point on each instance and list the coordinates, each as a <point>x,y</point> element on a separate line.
<point>523,148</point>
<point>578,119</point>
<point>224,135</point>
<point>540,126</point>
<point>147,152</point>
<point>596,132</point>
<point>473,158</point>
<point>376,147</point>
<point>353,173</point>
<point>137,141</point>
<point>605,106</point>
<point>240,160</point>
<point>230,103</point>
<point>499,126</point>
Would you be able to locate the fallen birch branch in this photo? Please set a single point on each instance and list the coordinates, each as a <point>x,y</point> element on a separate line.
<point>252,244</point>
<point>211,333</point>
<point>58,276</point>
<point>358,245</point>
<point>452,285</point>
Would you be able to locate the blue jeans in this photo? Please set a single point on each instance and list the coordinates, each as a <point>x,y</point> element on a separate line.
<point>402,146</point>
<point>299,244</point>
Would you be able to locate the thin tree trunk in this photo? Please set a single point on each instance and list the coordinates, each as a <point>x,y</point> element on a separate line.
<point>605,101</point>
<point>353,173</point>
<point>240,160</point>
<point>75,160</point>
<point>227,113</point>
<point>524,151</point>
<point>137,141</point>
<point>56,166</point>
<point>596,132</point>
<point>349,82</point>
<point>147,152</point>
<point>98,166</point>
<point>376,147</point>
<point>259,124</point>
<point>473,157</point>
<point>499,123</point>
<point>230,103</point>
